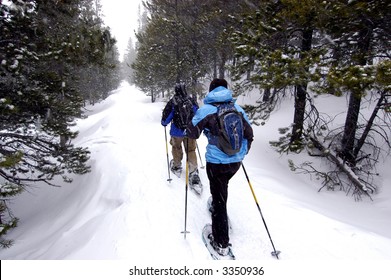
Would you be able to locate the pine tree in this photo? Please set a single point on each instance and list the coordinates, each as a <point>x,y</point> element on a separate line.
<point>184,40</point>
<point>46,50</point>
<point>275,47</point>
<point>128,60</point>
<point>359,30</point>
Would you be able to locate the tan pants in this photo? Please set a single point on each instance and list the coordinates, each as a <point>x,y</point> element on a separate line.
<point>177,151</point>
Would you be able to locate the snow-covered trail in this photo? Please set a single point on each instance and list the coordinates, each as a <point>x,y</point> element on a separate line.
<point>126,209</point>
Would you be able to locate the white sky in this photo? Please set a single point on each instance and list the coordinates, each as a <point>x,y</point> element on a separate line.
<point>122,17</point>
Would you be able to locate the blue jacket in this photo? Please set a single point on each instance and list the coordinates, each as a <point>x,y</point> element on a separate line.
<point>205,120</point>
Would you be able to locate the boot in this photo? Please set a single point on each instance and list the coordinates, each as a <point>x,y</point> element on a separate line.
<point>195,182</point>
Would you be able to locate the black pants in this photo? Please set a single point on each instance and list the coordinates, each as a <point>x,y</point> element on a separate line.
<point>219,176</point>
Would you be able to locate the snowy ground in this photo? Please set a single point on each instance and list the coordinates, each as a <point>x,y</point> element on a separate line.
<point>126,210</point>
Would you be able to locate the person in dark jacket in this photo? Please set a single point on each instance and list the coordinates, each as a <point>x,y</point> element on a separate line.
<point>220,167</point>
<point>169,115</point>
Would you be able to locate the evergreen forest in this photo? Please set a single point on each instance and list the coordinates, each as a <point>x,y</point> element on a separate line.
<point>58,56</point>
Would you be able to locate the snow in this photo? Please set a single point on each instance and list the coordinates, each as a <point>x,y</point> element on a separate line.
<point>125,209</point>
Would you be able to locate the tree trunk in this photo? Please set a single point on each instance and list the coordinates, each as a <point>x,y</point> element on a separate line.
<point>266,95</point>
<point>298,119</point>
<point>368,127</point>
<point>222,65</point>
<point>349,135</point>
<point>342,167</point>
<point>215,67</point>
<point>301,92</point>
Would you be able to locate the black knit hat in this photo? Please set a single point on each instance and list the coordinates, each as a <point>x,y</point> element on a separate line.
<point>180,89</point>
<point>218,83</point>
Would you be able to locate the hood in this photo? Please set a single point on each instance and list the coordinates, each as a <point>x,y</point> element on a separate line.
<point>219,94</point>
<point>180,90</point>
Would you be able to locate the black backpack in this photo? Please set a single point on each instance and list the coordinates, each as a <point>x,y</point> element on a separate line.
<point>230,123</point>
<point>183,111</point>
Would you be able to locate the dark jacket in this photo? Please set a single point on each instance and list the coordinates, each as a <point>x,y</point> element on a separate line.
<point>169,111</point>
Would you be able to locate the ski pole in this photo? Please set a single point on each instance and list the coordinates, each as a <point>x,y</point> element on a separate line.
<point>275,253</point>
<point>168,163</point>
<point>186,186</point>
<point>202,165</point>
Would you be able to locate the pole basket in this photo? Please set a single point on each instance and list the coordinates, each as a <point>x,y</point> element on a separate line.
<point>276,253</point>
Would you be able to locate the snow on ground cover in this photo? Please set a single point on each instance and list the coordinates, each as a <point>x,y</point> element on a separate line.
<point>125,209</point>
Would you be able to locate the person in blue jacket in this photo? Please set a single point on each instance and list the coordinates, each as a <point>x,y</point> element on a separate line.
<point>179,111</point>
<point>220,167</point>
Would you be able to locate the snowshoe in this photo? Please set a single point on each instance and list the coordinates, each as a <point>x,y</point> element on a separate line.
<point>216,252</point>
<point>176,170</point>
<point>196,188</point>
<point>195,182</point>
